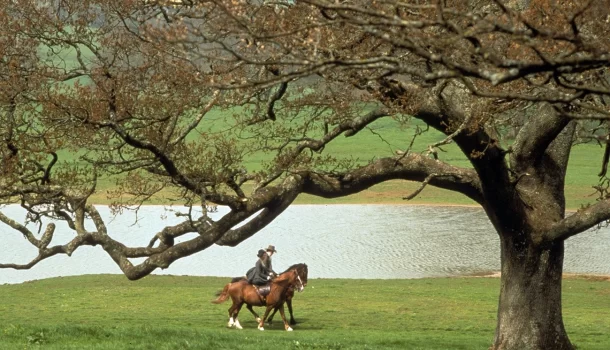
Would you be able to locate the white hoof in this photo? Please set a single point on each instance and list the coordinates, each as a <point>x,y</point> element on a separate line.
<point>261,328</point>
<point>231,322</point>
<point>289,329</point>
<point>237,325</point>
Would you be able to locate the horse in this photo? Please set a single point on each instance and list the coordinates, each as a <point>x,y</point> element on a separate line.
<point>243,293</point>
<point>302,271</point>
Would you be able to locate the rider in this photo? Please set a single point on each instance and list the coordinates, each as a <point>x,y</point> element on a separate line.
<point>270,251</point>
<point>260,274</point>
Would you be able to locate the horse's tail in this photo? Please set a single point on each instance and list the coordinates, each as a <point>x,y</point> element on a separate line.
<point>222,295</point>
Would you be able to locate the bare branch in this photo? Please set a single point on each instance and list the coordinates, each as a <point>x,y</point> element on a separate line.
<point>578,222</point>
<point>421,187</point>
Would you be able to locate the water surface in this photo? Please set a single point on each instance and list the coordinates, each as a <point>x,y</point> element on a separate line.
<point>336,241</point>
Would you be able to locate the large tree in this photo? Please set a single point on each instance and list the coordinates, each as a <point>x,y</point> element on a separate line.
<point>514,84</point>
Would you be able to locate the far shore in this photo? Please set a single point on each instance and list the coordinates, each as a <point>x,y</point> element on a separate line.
<point>487,274</point>
<point>567,275</point>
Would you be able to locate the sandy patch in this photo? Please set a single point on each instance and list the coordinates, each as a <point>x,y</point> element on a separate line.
<point>589,277</point>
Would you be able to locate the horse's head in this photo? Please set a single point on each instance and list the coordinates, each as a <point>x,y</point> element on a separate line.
<point>298,283</point>
<point>302,271</point>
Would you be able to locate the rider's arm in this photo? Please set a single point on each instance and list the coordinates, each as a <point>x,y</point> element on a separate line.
<point>267,266</point>
<point>271,269</point>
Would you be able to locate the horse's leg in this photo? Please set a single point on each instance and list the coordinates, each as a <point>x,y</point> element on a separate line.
<point>292,321</point>
<point>235,313</point>
<point>231,319</point>
<point>237,302</point>
<point>286,325</point>
<point>270,319</point>
<point>262,321</point>
<point>289,303</point>
<point>289,295</point>
<point>249,307</point>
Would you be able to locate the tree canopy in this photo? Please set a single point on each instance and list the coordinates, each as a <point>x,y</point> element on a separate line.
<point>173,98</point>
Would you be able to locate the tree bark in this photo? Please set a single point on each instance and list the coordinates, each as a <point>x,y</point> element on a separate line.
<point>529,310</point>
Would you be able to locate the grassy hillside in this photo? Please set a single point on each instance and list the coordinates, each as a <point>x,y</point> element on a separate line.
<point>171,312</point>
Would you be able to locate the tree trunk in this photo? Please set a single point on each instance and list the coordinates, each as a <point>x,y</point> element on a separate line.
<point>529,311</point>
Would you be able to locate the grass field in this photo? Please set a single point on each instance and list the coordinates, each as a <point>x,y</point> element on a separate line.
<point>174,312</point>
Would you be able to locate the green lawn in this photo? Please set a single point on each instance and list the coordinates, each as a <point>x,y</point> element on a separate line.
<point>172,312</point>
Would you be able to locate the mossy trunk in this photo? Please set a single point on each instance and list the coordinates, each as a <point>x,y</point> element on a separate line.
<point>529,311</point>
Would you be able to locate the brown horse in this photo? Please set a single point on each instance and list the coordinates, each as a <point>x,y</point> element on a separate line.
<point>302,271</point>
<point>243,293</point>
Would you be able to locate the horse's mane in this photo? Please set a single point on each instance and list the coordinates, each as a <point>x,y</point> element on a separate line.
<point>295,266</point>
<point>283,277</point>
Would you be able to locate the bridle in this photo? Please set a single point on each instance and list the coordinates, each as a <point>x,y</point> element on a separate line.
<point>300,286</point>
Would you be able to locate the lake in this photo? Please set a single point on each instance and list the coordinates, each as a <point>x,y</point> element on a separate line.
<point>336,241</point>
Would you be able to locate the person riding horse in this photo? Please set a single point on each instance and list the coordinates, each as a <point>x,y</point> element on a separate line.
<point>260,274</point>
<point>243,293</point>
<point>270,251</point>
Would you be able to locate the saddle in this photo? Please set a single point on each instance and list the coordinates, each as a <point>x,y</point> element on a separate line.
<point>263,291</point>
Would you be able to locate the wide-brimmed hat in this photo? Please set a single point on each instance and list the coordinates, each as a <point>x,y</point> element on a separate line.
<point>271,248</point>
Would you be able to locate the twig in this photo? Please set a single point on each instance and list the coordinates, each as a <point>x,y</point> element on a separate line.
<point>421,187</point>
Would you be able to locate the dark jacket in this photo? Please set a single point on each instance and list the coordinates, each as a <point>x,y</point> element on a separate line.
<point>259,273</point>
<point>267,261</point>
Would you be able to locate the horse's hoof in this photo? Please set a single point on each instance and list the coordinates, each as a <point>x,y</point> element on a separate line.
<point>289,329</point>
<point>261,328</point>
